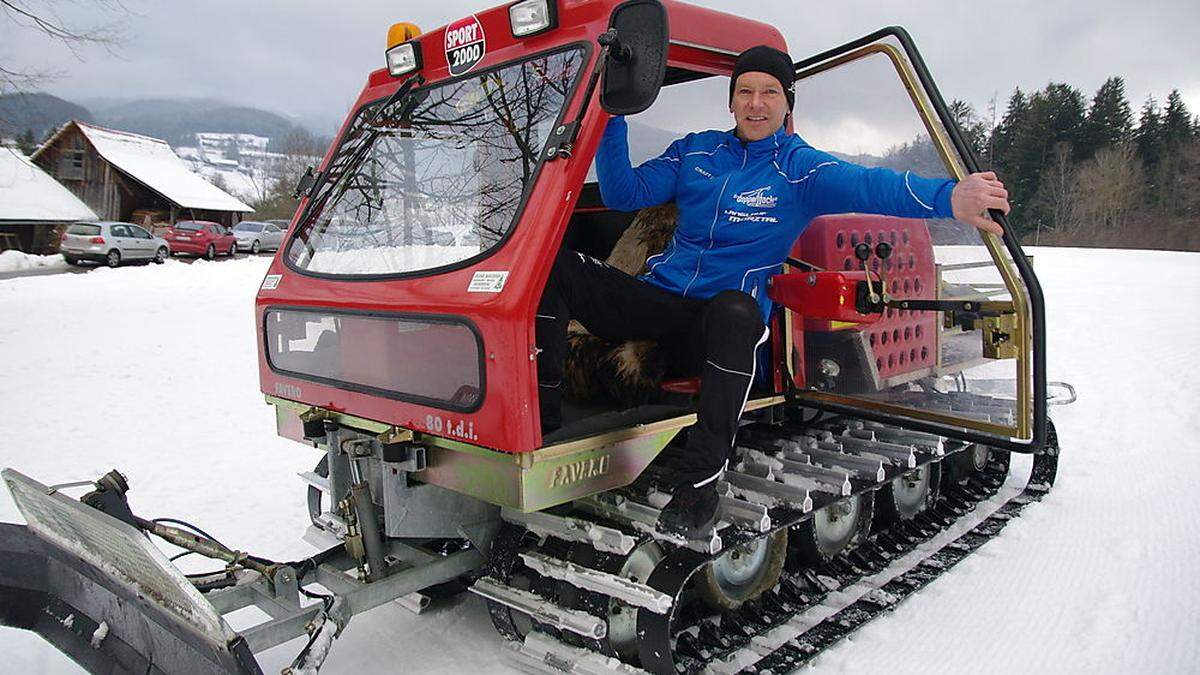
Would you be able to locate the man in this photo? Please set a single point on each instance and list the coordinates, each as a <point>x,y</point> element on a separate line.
<point>743,198</point>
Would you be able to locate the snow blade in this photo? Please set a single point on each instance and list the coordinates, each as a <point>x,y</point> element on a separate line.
<point>102,594</point>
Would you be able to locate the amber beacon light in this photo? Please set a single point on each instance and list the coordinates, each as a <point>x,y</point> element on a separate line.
<point>403,52</point>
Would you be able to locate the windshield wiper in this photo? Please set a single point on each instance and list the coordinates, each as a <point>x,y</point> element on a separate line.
<point>404,96</point>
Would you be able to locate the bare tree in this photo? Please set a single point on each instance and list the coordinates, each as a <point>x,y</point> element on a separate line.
<point>44,17</point>
<point>295,152</point>
<point>1107,189</point>
<point>1057,194</point>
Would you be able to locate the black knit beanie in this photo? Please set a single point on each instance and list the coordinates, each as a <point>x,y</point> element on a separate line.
<point>764,59</point>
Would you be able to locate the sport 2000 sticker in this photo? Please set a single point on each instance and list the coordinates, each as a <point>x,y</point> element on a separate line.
<point>465,45</point>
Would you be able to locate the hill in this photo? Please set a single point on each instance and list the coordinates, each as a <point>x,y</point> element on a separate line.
<point>39,113</point>
<point>173,120</point>
<point>177,120</point>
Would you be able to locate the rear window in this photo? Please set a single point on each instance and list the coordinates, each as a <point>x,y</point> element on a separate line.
<point>188,225</point>
<point>248,227</point>
<point>84,229</point>
<point>432,361</point>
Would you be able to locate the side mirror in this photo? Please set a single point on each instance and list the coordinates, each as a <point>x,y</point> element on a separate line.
<point>637,42</point>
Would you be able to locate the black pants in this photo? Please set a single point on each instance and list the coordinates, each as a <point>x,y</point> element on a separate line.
<point>716,338</point>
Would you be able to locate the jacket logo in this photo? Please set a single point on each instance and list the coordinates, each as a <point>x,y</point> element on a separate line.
<point>702,172</point>
<point>757,199</point>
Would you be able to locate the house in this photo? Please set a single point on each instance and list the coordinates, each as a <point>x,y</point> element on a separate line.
<point>33,205</point>
<point>134,178</point>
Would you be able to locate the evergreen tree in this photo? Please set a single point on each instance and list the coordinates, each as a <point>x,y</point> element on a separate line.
<point>1109,120</point>
<point>1059,109</point>
<point>27,143</point>
<point>1008,163</point>
<point>1177,174</point>
<point>1005,134</point>
<point>974,130</point>
<point>1177,127</point>
<point>1148,135</point>
<point>1027,141</point>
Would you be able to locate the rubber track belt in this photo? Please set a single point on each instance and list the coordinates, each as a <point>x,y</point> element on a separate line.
<point>694,652</point>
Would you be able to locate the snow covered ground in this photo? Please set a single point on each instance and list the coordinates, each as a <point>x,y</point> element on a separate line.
<point>152,369</point>
<point>18,261</point>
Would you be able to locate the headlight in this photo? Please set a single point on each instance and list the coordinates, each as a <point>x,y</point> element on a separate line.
<point>404,58</point>
<point>531,17</point>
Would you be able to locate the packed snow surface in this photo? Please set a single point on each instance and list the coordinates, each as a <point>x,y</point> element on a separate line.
<point>153,370</point>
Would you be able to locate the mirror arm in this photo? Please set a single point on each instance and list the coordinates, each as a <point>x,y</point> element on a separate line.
<point>611,41</point>
<point>562,144</point>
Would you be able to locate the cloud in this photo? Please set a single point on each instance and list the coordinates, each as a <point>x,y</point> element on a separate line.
<point>310,58</point>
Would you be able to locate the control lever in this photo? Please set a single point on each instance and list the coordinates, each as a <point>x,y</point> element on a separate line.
<point>863,253</point>
<point>883,251</point>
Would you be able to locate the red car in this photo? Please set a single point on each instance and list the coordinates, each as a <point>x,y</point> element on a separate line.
<point>201,237</point>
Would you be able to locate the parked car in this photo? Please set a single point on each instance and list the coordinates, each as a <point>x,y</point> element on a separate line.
<point>111,243</point>
<point>255,236</point>
<point>201,237</point>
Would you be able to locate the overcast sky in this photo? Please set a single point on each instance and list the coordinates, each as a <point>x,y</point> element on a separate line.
<point>310,57</point>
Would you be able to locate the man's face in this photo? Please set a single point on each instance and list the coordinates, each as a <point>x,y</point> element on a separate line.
<point>759,105</point>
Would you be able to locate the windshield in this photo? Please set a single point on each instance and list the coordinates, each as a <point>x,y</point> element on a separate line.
<point>438,177</point>
<point>248,227</point>
<point>187,225</point>
<point>83,228</point>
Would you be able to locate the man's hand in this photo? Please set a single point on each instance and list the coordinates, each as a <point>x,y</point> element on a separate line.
<point>974,195</point>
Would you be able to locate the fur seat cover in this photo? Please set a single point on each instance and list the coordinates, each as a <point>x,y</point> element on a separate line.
<point>625,372</point>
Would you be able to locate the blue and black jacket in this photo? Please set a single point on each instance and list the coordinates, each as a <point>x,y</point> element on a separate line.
<point>742,205</point>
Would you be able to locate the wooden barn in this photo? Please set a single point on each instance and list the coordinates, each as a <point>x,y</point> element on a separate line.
<point>34,207</point>
<point>133,178</point>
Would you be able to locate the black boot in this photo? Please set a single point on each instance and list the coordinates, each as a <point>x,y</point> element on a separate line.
<point>692,511</point>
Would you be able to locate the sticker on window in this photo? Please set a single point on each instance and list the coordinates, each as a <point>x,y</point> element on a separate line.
<point>465,45</point>
<point>487,282</point>
<point>271,282</point>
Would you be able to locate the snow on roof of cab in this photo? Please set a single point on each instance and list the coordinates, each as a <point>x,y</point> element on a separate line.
<point>29,194</point>
<point>152,162</point>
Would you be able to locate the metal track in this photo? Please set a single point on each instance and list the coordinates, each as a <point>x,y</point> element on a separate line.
<point>781,480</point>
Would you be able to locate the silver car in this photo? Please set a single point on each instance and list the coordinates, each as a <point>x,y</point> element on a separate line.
<point>255,236</point>
<point>111,243</point>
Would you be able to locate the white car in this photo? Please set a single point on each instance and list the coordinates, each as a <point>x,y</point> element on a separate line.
<point>111,243</point>
<point>255,236</point>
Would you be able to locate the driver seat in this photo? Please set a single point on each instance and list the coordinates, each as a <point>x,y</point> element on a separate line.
<point>631,372</point>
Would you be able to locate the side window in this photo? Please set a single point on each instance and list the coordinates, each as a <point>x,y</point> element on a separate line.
<point>70,164</point>
<point>139,232</point>
<point>681,109</point>
<point>272,229</point>
<point>120,231</point>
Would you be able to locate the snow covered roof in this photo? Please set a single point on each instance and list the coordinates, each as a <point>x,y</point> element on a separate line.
<point>153,163</point>
<point>29,194</point>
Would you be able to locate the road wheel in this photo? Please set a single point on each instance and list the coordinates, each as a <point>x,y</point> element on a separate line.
<point>255,247</point>
<point>834,529</point>
<point>233,249</point>
<point>113,259</point>
<point>622,619</point>
<point>908,495</point>
<point>967,462</point>
<point>210,253</point>
<point>160,256</point>
<point>745,572</point>
<point>71,260</point>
